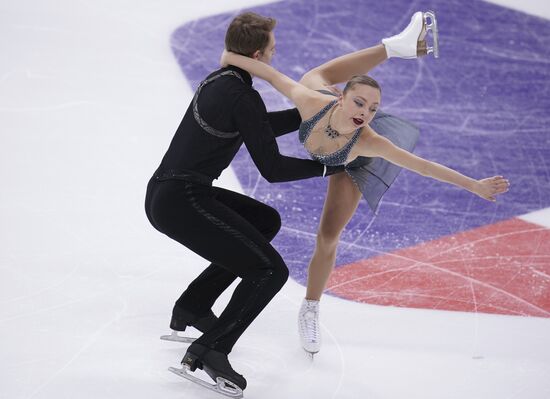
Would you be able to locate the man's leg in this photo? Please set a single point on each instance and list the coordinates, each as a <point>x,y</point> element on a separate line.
<point>215,279</point>
<point>196,217</point>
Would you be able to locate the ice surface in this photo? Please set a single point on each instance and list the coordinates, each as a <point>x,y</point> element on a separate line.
<point>90,97</point>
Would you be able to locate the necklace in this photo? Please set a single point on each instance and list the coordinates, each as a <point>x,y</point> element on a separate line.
<point>330,131</point>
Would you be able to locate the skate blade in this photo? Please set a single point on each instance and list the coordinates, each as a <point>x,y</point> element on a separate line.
<point>432,27</point>
<point>175,337</point>
<point>222,386</point>
<point>310,355</point>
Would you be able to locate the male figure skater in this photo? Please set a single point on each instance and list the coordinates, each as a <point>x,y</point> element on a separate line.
<point>230,230</point>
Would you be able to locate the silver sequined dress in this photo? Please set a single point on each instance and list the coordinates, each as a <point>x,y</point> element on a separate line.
<point>373,176</point>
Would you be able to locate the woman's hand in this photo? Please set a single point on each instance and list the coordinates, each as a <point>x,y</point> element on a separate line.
<point>490,187</point>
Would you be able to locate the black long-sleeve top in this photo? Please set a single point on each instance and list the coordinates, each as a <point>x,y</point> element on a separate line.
<point>229,104</point>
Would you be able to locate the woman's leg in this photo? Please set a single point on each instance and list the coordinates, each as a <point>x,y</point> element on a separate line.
<point>410,43</point>
<point>340,204</point>
<point>342,69</point>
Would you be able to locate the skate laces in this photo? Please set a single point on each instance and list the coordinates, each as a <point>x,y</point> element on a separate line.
<point>309,321</point>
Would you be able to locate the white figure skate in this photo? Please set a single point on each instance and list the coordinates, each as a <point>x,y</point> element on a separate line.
<point>308,327</point>
<point>411,43</point>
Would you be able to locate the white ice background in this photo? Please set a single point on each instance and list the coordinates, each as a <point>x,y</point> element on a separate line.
<point>90,95</point>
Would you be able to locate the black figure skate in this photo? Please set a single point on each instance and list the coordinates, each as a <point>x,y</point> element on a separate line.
<point>181,319</point>
<point>216,365</point>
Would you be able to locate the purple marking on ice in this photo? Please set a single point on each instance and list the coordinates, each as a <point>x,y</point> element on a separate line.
<point>482,109</point>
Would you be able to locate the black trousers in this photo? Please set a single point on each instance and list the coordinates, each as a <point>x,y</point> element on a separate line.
<point>233,232</point>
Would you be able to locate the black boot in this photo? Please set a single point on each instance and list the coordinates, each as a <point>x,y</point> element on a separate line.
<point>182,318</point>
<point>213,362</point>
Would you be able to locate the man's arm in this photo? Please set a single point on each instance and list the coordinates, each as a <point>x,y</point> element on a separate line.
<point>283,122</point>
<point>253,124</point>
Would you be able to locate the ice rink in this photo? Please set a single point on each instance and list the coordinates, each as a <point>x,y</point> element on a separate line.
<point>90,96</point>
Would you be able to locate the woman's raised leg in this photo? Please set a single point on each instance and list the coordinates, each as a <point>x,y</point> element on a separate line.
<point>410,43</point>
<point>343,68</point>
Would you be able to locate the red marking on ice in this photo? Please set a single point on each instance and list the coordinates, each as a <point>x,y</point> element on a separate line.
<point>502,268</point>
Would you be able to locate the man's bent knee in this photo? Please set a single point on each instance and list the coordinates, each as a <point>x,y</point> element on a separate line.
<point>272,221</point>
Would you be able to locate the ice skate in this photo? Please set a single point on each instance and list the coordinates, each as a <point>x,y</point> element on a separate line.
<point>308,326</point>
<point>216,365</point>
<point>411,42</point>
<point>181,319</point>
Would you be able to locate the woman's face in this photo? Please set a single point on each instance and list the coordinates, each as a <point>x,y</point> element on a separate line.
<point>359,104</point>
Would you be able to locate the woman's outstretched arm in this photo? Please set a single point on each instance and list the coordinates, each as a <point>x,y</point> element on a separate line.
<point>379,146</point>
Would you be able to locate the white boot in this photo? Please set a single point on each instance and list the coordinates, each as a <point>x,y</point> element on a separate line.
<point>411,42</point>
<point>308,326</point>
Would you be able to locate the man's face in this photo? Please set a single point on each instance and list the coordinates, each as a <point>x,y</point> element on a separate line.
<point>266,55</point>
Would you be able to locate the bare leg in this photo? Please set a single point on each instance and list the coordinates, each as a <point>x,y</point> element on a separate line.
<point>342,69</point>
<point>410,43</point>
<point>340,204</point>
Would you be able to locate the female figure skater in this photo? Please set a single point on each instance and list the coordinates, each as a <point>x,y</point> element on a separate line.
<point>349,131</point>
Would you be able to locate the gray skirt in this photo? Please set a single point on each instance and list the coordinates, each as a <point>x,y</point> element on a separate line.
<point>374,176</point>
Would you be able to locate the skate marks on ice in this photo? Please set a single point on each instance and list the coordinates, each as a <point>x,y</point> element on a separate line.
<point>502,268</point>
<point>269,355</point>
<point>467,110</point>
